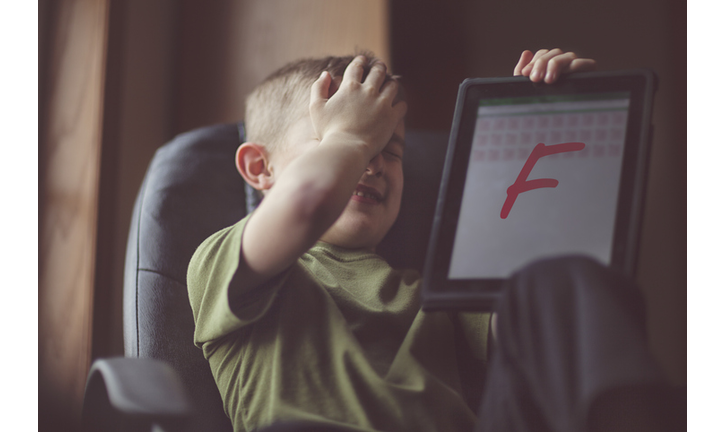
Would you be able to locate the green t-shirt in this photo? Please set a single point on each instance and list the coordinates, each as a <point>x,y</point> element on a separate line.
<point>337,338</point>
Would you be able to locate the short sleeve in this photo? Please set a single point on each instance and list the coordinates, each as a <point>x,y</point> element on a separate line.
<point>216,270</point>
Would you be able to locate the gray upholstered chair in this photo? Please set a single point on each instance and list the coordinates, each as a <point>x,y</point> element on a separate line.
<point>191,190</point>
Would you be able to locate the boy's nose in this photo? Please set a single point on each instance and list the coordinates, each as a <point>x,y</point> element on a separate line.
<point>376,165</point>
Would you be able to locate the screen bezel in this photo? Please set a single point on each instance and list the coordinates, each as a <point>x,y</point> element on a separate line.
<point>440,292</point>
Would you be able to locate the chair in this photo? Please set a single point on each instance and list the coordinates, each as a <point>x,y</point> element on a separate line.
<point>191,190</point>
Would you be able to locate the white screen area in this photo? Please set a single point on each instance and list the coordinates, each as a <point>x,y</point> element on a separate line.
<point>576,216</point>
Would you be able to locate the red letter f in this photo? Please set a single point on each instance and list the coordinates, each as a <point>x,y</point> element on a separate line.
<point>522,184</point>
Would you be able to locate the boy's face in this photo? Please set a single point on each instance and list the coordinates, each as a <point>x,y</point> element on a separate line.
<point>374,206</point>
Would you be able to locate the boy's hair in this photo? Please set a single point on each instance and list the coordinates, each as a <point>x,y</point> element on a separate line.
<point>283,97</point>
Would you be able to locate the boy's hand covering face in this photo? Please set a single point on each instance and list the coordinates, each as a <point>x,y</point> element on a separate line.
<point>362,112</point>
<point>548,65</point>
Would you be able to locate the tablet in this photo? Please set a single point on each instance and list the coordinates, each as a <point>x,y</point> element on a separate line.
<point>536,170</point>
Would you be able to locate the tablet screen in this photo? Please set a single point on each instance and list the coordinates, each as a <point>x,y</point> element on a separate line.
<point>542,179</point>
<point>535,171</point>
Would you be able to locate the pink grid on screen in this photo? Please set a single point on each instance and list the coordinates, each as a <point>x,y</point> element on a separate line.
<point>513,137</point>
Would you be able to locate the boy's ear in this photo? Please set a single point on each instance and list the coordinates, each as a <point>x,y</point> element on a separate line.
<point>252,162</point>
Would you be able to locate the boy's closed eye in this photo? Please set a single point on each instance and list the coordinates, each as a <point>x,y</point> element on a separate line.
<point>395,148</point>
<point>393,153</point>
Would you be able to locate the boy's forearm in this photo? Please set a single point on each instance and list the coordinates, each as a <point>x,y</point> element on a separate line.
<point>303,204</point>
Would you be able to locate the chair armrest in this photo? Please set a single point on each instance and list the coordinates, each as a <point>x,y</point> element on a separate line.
<point>134,394</point>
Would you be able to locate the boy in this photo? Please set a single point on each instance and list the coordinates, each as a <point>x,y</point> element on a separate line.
<point>299,319</point>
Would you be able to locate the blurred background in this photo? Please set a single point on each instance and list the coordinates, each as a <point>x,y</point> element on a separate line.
<point>117,79</point>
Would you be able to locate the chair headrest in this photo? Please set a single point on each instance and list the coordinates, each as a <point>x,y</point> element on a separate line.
<point>191,190</point>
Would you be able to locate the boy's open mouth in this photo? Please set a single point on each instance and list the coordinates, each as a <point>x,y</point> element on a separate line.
<point>366,194</point>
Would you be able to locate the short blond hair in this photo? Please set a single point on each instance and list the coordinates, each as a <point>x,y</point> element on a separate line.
<point>283,97</point>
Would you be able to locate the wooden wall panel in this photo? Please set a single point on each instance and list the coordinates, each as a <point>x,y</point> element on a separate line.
<point>139,109</point>
<point>227,47</point>
<point>70,155</point>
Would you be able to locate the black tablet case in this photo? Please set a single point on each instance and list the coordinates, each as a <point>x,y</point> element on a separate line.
<point>440,292</point>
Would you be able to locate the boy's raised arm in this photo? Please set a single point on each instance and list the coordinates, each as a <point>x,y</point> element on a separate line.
<point>344,131</point>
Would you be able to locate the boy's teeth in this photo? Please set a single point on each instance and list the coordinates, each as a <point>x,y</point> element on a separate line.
<point>365,195</point>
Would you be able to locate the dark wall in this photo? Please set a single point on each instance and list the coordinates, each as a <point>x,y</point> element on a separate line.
<point>436,44</point>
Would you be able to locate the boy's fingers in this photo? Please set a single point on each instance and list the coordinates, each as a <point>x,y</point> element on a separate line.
<point>549,65</point>
<point>529,67</point>
<point>540,64</point>
<point>582,65</point>
<point>376,76</point>
<point>389,92</point>
<point>355,70</point>
<point>389,89</point>
<point>557,65</point>
<point>524,60</point>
